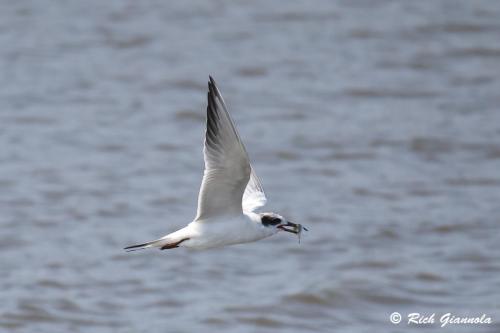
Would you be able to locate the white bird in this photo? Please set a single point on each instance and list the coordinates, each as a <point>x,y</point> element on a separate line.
<point>230,192</point>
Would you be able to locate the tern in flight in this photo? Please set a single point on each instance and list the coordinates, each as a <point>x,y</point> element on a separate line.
<point>230,192</point>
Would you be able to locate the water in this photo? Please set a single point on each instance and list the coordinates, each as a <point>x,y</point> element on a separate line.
<point>375,124</point>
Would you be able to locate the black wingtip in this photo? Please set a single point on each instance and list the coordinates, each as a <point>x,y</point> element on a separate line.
<point>212,86</point>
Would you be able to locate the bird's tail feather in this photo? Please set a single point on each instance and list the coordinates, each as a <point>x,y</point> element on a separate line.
<point>155,243</point>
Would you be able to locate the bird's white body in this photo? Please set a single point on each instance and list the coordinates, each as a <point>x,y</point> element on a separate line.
<point>220,231</point>
<point>230,192</point>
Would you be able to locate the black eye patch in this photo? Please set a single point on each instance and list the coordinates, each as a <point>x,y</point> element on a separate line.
<point>269,220</point>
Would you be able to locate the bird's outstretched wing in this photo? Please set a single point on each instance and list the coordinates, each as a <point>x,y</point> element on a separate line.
<point>227,167</point>
<point>254,196</point>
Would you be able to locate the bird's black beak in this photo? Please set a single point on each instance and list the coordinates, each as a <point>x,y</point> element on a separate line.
<point>294,228</point>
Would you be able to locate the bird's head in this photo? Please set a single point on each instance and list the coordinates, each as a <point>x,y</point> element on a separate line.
<point>278,222</point>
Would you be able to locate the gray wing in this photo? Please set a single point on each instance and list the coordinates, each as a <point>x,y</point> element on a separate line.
<point>227,167</point>
<point>254,196</point>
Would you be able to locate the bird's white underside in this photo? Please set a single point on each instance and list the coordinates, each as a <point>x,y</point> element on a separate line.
<point>222,231</point>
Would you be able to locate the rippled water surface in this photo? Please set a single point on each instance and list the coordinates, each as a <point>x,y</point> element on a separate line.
<point>374,123</point>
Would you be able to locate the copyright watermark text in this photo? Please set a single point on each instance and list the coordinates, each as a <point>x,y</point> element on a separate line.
<point>445,319</point>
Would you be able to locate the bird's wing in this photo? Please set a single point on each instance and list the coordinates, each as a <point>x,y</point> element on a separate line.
<point>254,196</point>
<point>227,167</point>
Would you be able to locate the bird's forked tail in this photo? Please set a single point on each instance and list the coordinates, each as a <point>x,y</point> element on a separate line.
<point>162,243</point>
<point>143,245</point>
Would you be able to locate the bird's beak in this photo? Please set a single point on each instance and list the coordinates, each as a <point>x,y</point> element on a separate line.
<point>294,228</point>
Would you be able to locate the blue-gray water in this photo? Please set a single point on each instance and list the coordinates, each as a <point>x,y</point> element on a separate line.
<point>374,123</point>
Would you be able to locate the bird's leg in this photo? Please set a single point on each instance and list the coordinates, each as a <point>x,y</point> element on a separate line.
<point>173,245</point>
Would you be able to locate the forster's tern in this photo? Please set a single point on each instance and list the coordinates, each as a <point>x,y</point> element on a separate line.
<point>230,192</point>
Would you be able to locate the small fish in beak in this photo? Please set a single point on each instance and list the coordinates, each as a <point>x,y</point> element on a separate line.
<point>294,228</point>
